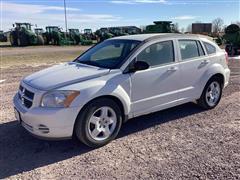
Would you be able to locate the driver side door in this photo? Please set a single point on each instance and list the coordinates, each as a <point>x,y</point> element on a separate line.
<point>157,87</point>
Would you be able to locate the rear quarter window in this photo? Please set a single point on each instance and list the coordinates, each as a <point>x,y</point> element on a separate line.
<point>210,48</point>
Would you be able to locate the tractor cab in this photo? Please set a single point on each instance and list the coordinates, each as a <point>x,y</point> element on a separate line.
<point>103,31</point>
<point>87,31</point>
<point>74,31</point>
<point>26,26</point>
<point>160,27</point>
<point>38,31</point>
<point>117,31</point>
<point>133,30</point>
<point>51,29</point>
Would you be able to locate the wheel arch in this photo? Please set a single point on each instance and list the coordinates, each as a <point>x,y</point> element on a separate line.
<point>215,70</point>
<point>218,76</point>
<point>114,98</point>
<point>117,100</point>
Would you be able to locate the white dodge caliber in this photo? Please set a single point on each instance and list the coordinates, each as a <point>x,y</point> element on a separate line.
<point>119,79</point>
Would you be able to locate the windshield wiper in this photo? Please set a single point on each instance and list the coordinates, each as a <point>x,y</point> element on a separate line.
<point>91,63</point>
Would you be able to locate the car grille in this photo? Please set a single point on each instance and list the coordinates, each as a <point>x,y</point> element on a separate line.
<point>25,96</point>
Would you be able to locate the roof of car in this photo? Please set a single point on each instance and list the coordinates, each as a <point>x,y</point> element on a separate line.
<point>144,37</point>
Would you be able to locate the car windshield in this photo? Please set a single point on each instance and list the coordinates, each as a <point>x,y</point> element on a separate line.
<point>108,54</point>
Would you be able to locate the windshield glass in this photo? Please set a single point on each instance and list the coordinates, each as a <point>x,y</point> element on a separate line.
<point>108,54</point>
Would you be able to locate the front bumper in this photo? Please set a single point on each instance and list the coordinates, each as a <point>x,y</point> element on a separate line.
<point>47,123</point>
<point>227,77</point>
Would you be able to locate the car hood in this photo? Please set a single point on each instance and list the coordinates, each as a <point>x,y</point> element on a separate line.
<point>63,75</point>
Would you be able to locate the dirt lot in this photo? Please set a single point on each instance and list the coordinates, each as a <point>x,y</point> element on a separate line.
<point>38,55</point>
<point>184,142</point>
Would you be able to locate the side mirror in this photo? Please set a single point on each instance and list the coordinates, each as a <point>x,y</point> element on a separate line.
<point>139,66</point>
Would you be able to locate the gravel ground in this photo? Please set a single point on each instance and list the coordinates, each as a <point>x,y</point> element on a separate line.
<point>184,142</point>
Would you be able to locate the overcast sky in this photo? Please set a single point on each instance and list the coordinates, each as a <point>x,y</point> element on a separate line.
<point>102,13</point>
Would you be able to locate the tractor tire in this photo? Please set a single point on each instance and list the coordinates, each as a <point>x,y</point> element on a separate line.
<point>77,41</point>
<point>45,39</point>
<point>12,40</point>
<point>40,40</point>
<point>18,42</point>
<point>22,40</point>
<point>5,39</point>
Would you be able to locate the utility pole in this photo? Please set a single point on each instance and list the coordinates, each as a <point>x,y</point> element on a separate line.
<point>65,11</point>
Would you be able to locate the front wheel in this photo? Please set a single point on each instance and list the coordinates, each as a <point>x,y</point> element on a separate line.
<point>99,122</point>
<point>211,95</point>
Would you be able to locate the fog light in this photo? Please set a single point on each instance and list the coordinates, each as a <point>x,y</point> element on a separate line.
<point>43,129</point>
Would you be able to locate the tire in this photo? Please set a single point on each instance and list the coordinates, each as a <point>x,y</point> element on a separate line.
<point>90,127</point>
<point>46,42</point>
<point>209,94</point>
<point>12,40</point>
<point>22,40</point>
<point>18,42</point>
<point>40,40</point>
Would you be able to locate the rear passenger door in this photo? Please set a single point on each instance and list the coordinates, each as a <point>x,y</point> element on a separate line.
<point>193,64</point>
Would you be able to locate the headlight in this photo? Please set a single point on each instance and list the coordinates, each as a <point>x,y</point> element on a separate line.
<point>59,98</point>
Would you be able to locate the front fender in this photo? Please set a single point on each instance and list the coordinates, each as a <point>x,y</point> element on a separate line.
<point>94,89</point>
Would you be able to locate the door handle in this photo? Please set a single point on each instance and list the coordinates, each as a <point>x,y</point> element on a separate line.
<point>205,62</point>
<point>172,69</point>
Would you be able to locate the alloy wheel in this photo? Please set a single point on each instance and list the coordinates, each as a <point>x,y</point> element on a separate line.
<point>102,123</point>
<point>213,93</point>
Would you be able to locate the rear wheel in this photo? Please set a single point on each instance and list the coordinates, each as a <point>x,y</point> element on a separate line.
<point>99,122</point>
<point>211,95</point>
<point>22,40</point>
<point>40,40</point>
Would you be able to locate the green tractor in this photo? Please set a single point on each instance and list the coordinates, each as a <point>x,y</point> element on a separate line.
<point>103,34</point>
<point>87,38</point>
<point>218,39</point>
<point>232,39</point>
<point>160,27</point>
<point>118,31</point>
<point>132,30</point>
<point>75,36</point>
<point>54,36</point>
<point>89,35</point>
<point>22,35</point>
<point>3,37</point>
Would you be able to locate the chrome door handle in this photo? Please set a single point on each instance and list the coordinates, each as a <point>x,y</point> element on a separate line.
<point>205,62</point>
<point>172,69</point>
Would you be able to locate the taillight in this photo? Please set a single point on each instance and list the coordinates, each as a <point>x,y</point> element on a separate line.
<point>226,57</point>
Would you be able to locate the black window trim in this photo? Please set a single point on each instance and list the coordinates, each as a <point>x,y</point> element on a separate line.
<point>204,53</point>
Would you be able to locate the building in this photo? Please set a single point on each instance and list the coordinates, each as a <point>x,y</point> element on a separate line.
<point>201,28</point>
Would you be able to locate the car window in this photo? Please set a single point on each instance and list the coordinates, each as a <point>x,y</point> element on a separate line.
<point>159,53</point>
<point>190,49</point>
<point>108,52</point>
<point>209,48</point>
